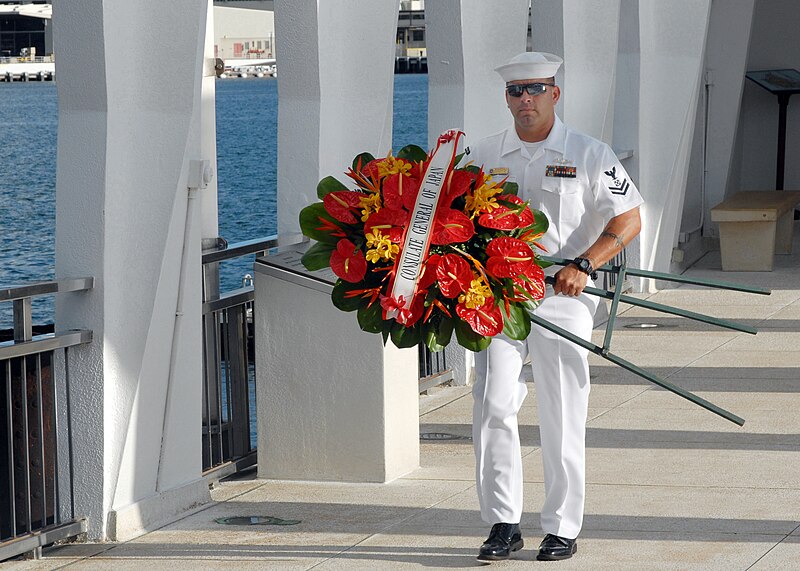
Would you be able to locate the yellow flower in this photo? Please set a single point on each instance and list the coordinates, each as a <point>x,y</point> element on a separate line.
<point>483,197</point>
<point>373,256</point>
<point>477,294</point>
<point>370,204</point>
<point>381,248</point>
<point>391,165</point>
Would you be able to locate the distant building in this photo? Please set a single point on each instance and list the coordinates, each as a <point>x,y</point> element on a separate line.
<point>25,29</point>
<point>411,29</point>
<point>241,33</point>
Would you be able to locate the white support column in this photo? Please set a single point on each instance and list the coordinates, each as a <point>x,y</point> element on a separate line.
<point>127,139</point>
<point>466,40</point>
<point>591,34</point>
<point>335,92</point>
<point>726,62</point>
<point>672,40</point>
<point>209,226</point>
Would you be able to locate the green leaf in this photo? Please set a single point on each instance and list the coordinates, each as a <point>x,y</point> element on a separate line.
<point>468,339</point>
<point>458,158</point>
<point>516,325</point>
<point>346,303</point>
<point>370,319</point>
<point>318,256</point>
<point>444,330</point>
<point>327,185</point>
<point>412,153</point>
<point>310,222</point>
<point>540,222</point>
<point>511,188</point>
<point>404,337</point>
<point>438,333</point>
<point>364,158</point>
<point>430,341</point>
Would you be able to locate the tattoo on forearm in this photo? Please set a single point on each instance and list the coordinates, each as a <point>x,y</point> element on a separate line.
<point>617,239</point>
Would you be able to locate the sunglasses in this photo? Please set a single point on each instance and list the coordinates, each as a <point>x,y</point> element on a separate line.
<point>516,90</point>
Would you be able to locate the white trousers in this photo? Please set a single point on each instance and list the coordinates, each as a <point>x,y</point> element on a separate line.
<point>561,375</point>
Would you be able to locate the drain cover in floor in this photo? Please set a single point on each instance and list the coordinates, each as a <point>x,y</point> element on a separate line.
<point>256,520</point>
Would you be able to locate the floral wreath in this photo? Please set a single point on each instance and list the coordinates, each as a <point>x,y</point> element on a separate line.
<point>476,274</point>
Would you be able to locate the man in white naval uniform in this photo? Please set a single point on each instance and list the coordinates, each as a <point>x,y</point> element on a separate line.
<point>593,209</point>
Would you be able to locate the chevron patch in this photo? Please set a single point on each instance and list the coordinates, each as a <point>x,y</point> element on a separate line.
<point>618,186</point>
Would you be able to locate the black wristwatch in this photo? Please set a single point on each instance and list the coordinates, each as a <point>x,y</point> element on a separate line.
<point>584,265</point>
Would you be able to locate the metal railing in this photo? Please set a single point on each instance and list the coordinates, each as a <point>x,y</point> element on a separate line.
<point>229,363</point>
<point>36,470</point>
<point>433,368</point>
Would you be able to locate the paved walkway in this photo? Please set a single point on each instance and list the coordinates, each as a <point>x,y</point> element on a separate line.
<point>670,486</point>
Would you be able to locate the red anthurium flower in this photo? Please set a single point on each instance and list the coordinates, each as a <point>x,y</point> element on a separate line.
<point>456,184</point>
<point>532,282</point>
<point>451,226</point>
<point>501,218</point>
<point>505,218</point>
<point>343,204</point>
<point>485,320</point>
<point>454,275</point>
<point>525,215</point>
<point>348,262</point>
<point>389,222</point>
<point>400,190</point>
<point>508,257</point>
<point>428,275</point>
<point>370,170</point>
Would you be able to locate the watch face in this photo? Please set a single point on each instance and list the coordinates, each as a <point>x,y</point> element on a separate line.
<point>583,264</point>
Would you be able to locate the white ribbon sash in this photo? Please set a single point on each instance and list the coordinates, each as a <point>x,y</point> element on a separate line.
<point>418,233</point>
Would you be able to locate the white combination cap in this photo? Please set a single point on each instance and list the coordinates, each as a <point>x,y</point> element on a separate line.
<point>530,65</point>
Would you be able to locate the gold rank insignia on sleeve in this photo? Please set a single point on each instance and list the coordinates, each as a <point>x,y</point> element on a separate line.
<point>498,170</point>
<point>561,171</point>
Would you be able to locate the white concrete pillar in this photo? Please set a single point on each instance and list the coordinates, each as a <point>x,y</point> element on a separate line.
<point>547,34</point>
<point>126,139</point>
<point>591,34</point>
<point>209,210</point>
<point>335,91</point>
<point>726,59</point>
<point>466,40</point>
<point>672,44</point>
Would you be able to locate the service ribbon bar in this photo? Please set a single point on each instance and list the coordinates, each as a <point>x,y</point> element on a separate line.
<point>418,233</point>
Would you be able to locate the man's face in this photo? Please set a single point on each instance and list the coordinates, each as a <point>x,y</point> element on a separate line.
<point>534,112</point>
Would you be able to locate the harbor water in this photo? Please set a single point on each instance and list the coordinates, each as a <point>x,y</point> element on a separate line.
<point>247,111</point>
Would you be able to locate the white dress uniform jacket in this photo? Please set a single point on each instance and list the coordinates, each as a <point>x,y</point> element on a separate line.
<point>579,184</point>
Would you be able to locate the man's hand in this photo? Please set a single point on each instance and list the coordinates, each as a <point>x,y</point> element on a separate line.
<point>570,281</point>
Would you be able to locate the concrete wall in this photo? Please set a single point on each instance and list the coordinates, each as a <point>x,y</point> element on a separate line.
<point>773,45</point>
<point>126,141</point>
<point>741,118</point>
<point>717,119</point>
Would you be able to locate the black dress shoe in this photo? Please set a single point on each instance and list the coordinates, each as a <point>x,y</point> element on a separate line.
<point>554,548</point>
<point>503,539</point>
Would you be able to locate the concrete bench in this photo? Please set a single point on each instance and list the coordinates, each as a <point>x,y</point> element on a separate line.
<point>753,227</point>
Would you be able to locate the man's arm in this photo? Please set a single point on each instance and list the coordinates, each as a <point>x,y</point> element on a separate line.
<point>617,234</point>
